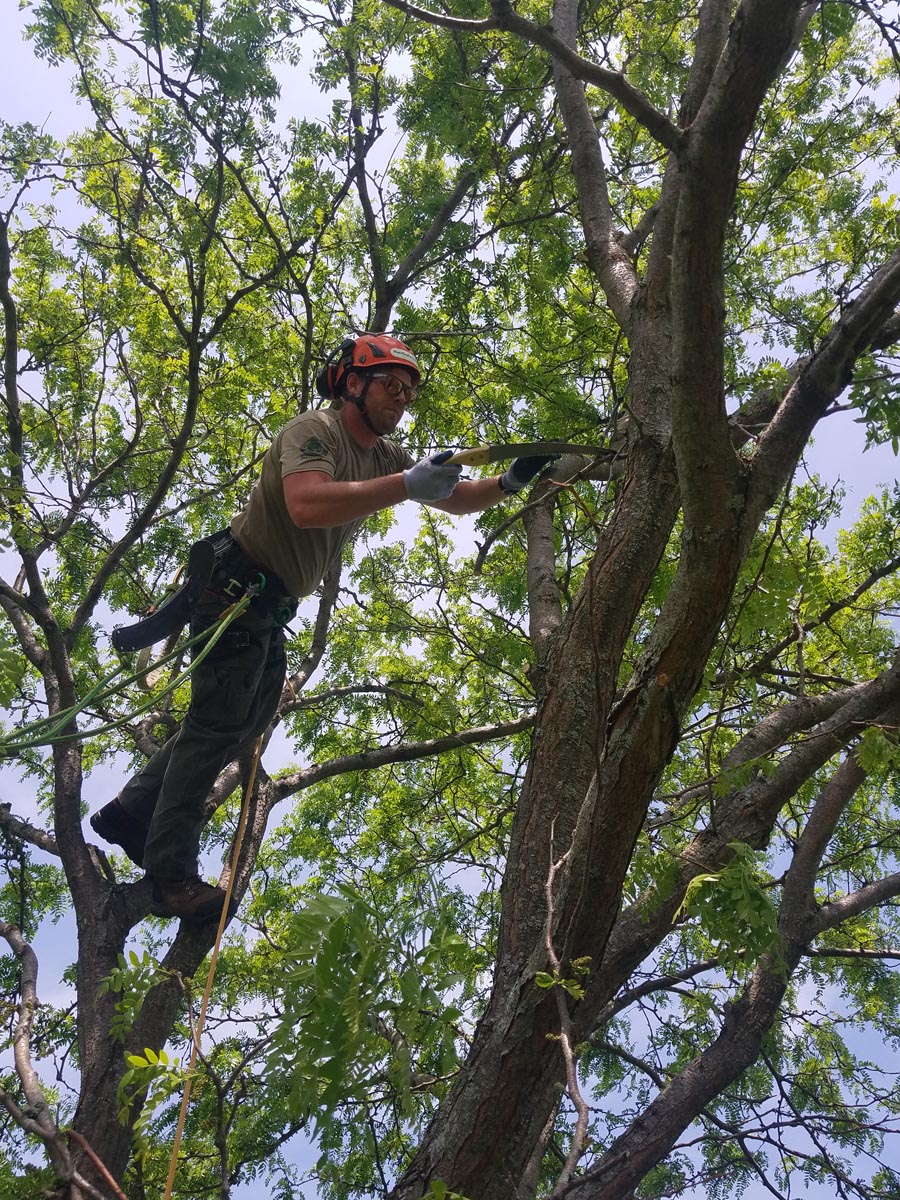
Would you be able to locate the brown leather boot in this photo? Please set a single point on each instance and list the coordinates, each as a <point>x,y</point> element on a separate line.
<point>190,899</point>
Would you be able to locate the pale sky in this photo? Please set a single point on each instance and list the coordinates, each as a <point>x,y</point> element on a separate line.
<point>32,91</point>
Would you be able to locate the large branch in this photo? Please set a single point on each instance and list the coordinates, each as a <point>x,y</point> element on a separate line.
<point>713,23</point>
<point>753,417</point>
<point>819,381</point>
<point>802,713</point>
<point>650,399</point>
<point>288,784</point>
<point>746,814</point>
<point>318,699</point>
<point>37,605</point>
<point>762,36</point>
<point>607,258</point>
<point>659,983</point>
<point>747,1020</point>
<point>632,100</point>
<point>835,912</point>
<point>725,501</point>
<point>581,677</point>
<point>360,144</point>
<point>889,333</point>
<point>545,613</point>
<point>15,605</point>
<point>38,1110</point>
<point>571,468</point>
<point>10,823</point>
<point>327,600</point>
<point>652,1135</point>
<point>368,760</point>
<point>511,1054</point>
<point>10,359</point>
<point>405,269</point>
<point>759,38</point>
<point>798,895</point>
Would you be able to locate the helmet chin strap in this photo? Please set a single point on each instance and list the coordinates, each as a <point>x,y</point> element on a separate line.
<point>360,402</point>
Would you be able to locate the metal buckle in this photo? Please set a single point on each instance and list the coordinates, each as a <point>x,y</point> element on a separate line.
<point>233,589</point>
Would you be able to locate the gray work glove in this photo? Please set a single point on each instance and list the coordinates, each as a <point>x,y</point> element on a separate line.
<point>522,470</point>
<point>432,479</point>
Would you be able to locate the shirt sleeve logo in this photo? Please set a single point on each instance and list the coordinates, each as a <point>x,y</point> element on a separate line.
<point>314,448</point>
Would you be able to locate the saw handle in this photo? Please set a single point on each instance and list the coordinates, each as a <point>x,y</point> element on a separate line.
<point>477,456</point>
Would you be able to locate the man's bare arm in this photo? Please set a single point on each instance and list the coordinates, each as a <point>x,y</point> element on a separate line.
<point>472,495</point>
<point>316,501</point>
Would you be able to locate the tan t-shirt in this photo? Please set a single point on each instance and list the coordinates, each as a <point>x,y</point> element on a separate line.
<point>314,441</point>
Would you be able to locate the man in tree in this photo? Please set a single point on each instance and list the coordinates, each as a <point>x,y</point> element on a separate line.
<point>325,472</point>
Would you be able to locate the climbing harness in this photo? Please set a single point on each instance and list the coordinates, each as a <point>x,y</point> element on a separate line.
<point>216,564</point>
<point>216,560</point>
<point>48,730</point>
<point>211,974</point>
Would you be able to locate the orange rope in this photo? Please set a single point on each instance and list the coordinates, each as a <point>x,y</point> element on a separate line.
<point>198,1031</point>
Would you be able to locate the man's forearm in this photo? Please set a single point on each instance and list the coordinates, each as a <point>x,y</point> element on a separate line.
<point>333,503</point>
<point>472,495</point>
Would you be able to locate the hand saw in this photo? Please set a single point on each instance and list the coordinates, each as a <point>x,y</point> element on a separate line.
<point>477,456</point>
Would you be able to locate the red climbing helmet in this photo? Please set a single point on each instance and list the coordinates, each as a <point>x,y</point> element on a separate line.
<point>362,354</point>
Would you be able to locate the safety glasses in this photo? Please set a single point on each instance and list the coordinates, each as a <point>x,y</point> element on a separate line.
<point>395,386</point>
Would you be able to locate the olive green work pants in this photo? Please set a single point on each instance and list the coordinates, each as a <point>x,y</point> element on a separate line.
<point>235,692</point>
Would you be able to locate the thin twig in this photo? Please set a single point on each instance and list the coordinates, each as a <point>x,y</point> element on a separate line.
<point>566,1033</point>
<point>98,1162</point>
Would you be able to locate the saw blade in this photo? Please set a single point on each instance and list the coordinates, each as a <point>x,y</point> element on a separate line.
<point>477,456</point>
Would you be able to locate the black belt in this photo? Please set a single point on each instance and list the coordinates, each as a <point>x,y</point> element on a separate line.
<point>217,564</point>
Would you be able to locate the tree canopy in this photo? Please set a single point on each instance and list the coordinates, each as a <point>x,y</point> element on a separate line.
<point>571,863</point>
